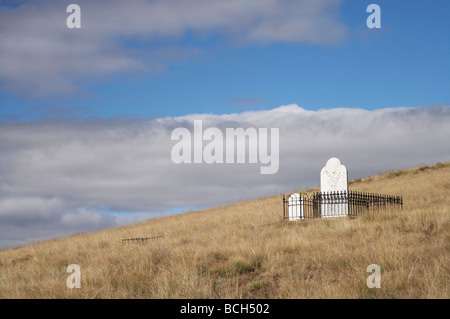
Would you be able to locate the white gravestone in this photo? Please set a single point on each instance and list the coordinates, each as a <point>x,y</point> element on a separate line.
<point>334,179</point>
<point>295,207</point>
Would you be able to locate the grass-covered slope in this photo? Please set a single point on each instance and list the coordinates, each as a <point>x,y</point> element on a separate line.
<point>247,250</point>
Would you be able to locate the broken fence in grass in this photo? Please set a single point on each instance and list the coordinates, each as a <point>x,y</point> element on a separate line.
<point>336,204</point>
<point>142,239</point>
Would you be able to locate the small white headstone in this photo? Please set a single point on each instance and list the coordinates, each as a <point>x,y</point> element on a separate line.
<point>334,179</point>
<point>295,207</point>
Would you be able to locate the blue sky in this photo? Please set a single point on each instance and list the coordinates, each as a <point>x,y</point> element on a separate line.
<point>405,63</point>
<point>86,115</point>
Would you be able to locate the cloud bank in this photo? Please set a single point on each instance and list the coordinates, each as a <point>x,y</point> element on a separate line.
<point>63,176</point>
<point>39,55</point>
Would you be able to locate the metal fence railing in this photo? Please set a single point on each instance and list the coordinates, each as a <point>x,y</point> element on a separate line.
<point>336,204</point>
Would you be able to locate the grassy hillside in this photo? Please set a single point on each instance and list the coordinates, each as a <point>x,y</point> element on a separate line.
<point>247,250</point>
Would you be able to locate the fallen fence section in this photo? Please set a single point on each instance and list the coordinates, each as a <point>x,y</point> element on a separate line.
<point>140,238</point>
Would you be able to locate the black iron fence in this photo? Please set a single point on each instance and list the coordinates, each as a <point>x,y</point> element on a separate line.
<point>336,204</point>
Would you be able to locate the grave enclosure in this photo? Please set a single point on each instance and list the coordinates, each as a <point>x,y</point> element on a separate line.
<point>334,198</point>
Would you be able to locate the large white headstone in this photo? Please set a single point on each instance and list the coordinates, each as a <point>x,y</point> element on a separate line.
<point>334,179</point>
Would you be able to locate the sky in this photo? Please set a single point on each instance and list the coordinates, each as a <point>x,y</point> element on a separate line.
<point>87,114</point>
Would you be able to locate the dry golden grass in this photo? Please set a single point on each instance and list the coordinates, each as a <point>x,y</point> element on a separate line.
<point>247,250</point>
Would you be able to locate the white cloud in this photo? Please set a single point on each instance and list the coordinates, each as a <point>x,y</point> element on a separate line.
<point>39,55</point>
<point>59,176</point>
